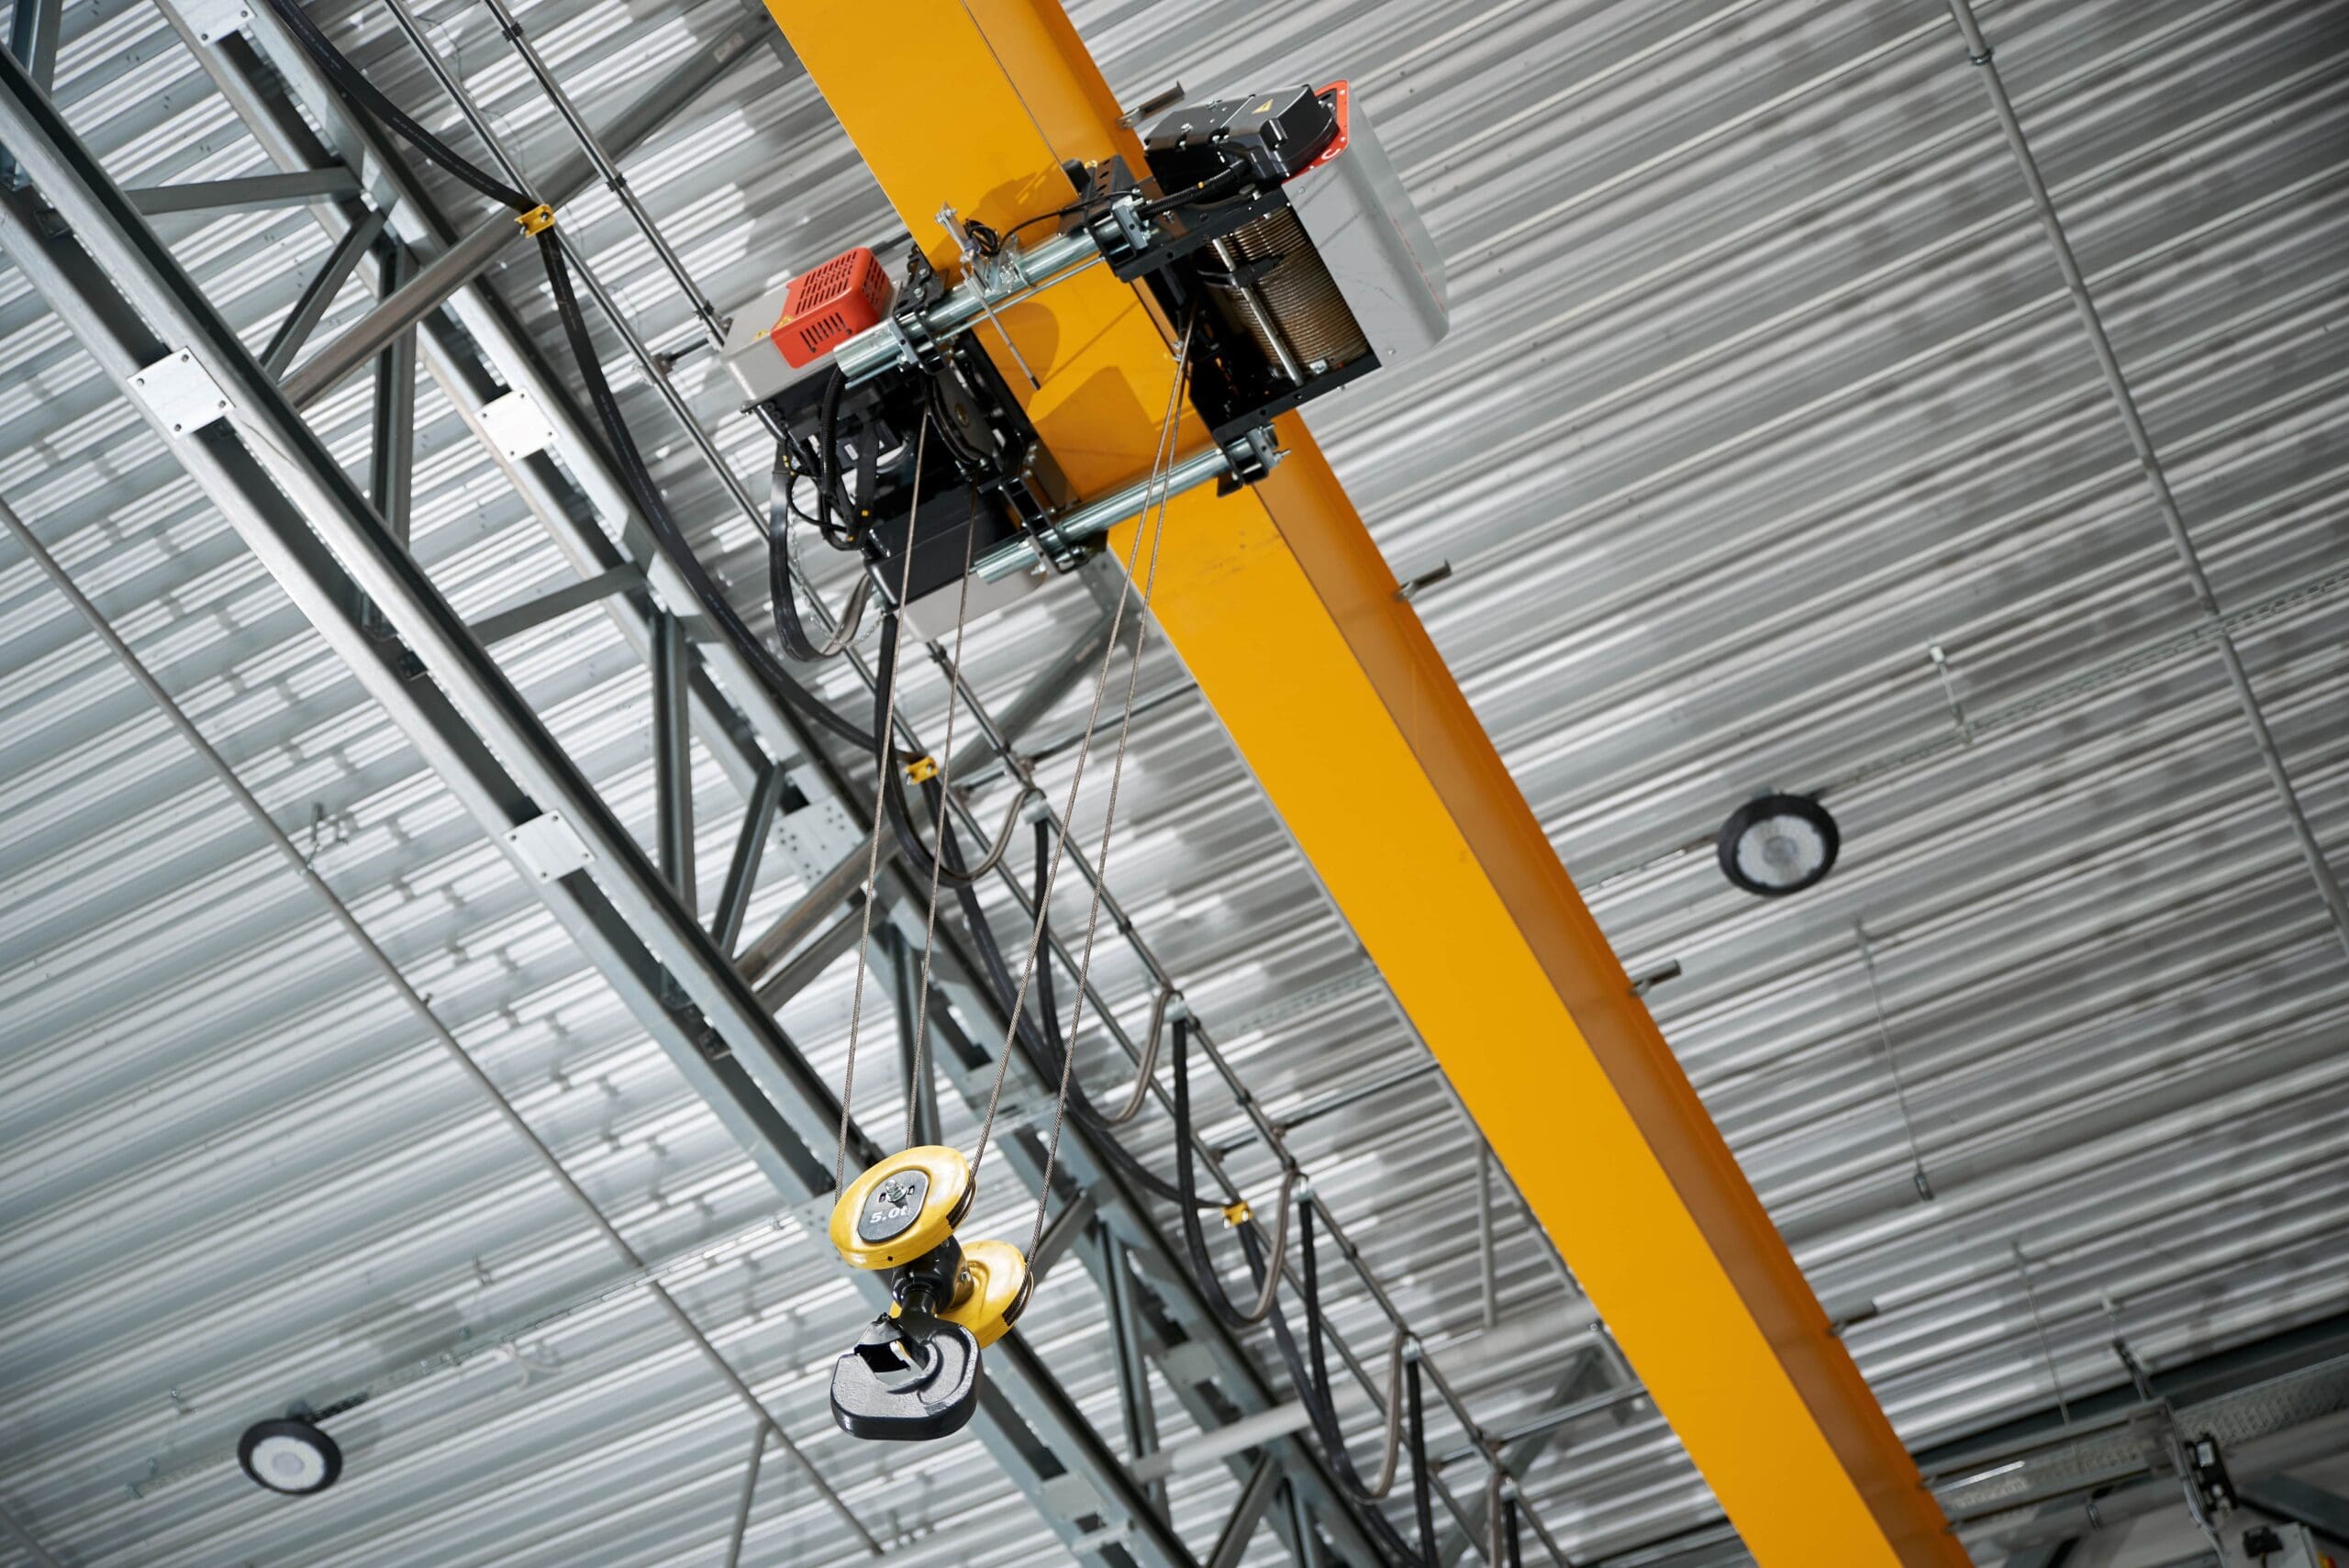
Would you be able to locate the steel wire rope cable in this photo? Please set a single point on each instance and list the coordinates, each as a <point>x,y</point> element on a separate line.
<point>642,490</point>
<point>915,1072</point>
<point>1160,464</point>
<point>884,722</point>
<point>900,816</point>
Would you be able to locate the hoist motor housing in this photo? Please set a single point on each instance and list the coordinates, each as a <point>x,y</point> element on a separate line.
<point>1310,270</point>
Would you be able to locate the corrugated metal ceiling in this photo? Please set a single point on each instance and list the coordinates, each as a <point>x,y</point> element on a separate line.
<point>1761,381</point>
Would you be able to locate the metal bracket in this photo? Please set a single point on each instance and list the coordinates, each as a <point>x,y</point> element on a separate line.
<point>550,846</point>
<point>180,393</point>
<point>518,426</point>
<point>215,19</point>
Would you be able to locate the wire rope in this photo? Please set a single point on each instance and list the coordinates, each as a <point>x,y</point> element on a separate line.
<point>1161,466</point>
<point>915,1073</point>
<point>886,759</point>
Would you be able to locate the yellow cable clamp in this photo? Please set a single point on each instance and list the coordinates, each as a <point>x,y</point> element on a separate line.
<point>921,770</point>
<point>537,220</point>
<point>1237,1214</point>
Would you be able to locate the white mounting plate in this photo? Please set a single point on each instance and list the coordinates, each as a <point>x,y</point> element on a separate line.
<point>215,19</point>
<point>179,394</point>
<point>551,847</point>
<point>516,425</point>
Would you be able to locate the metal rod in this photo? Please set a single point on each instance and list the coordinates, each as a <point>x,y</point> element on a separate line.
<point>742,869</point>
<point>393,976</point>
<point>1892,1065</point>
<point>1314,1111</point>
<point>319,291</point>
<point>832,889</point>
<point>2039,1324</point>
<point>1135,1401</point>
<point>1096,518</point>
<point>400,310</point>
<point>1256,1495</point>
<point>915,1066</point>
<point>606,166</point>
<point>499,625</point>
<point>835,942</point>
<point>876,349</point>
<point>2149,459</point>
<point>391,483</point>
<point>247,193</point>
<point>1074,1219</point>
<point>1487,1264</point>
<point>750,1491</point>
<point>672,760</point>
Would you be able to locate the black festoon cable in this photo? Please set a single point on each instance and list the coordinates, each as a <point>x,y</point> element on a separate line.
<point>646,494</point>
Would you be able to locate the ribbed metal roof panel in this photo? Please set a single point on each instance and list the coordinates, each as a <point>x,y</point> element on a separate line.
<point>1762,381</point>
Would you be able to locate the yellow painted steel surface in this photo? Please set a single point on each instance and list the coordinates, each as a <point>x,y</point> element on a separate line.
<point>1285,613</point>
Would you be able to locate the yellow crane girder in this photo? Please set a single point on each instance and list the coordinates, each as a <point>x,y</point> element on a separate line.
<point>1285,613</point>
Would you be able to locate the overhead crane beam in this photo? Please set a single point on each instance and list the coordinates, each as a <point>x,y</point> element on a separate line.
<point>1282,607</point>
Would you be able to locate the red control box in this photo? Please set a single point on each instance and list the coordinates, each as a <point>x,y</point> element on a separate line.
<point>825,305</point>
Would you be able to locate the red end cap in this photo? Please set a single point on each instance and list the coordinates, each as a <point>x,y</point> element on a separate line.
<point>827,305</point>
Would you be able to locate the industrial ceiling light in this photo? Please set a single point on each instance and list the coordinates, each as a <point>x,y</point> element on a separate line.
<point>1778,844</point>
<point>290,1455</point>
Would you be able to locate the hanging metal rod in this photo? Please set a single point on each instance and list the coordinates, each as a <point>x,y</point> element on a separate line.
<point>2124,403</point>
<point>247,193</point>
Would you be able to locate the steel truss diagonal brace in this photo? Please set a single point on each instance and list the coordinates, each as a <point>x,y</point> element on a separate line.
<point>470,726</point>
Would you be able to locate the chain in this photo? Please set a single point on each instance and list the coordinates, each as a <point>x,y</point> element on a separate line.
<point>883,763</point>
<point>1160,464</point>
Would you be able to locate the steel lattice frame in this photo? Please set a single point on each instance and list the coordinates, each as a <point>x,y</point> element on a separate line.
<point>682,979</point>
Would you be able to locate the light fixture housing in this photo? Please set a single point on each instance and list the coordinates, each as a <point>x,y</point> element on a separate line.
<point>290,1456</point>
<point>1778,844</point>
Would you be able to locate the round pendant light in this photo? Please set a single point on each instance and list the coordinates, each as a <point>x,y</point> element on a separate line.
<point>1778,844</point>
<point>291,1456</point>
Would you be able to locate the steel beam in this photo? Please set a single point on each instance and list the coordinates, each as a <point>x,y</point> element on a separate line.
<point>247,193</point>
<point>672,758</point>
<point>400,311</point>
<point>1423,840</point>
<point>318,293</point>
<point>119,289</point>
<point>2303,1503</point>
<point>32,38</point>
<point>391,475</point>
<point>1255,1497</point>
<point>742,867</point>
